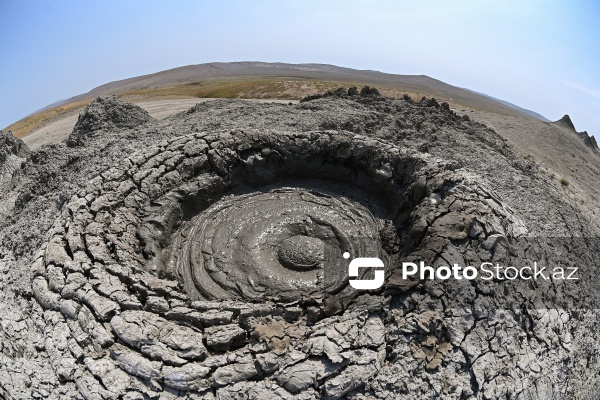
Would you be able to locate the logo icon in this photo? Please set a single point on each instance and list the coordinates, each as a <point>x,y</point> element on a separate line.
<point>365,262</point>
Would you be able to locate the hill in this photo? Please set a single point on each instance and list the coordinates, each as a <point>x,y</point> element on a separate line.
<point>265,80</point>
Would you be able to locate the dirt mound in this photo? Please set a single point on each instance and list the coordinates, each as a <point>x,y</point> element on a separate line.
<point>588,140</point>
<point>107,113</point>
<point>13,153</point>
<point>10,145</point>
<point>566,122</point>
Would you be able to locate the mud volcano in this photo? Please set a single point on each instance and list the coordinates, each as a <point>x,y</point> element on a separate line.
<point>256,217</point>
<point>208,264</point>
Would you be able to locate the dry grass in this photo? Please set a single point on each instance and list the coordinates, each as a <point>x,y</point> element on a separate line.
<point>282,89</point>
<point>243,89</point>
<point>28,124</point>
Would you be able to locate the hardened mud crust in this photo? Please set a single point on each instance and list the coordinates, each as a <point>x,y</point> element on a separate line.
<point>209,264</point>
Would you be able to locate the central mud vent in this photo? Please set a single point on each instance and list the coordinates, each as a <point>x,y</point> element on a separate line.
<point>268,216</point>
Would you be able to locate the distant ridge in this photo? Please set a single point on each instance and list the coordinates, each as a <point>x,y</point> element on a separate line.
<point>324,72</point>
<point>523,110</point>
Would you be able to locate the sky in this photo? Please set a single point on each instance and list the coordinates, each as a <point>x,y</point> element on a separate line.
<point>540,55</point>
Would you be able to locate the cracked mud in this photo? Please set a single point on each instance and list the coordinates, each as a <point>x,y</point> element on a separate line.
<point>208,262</point>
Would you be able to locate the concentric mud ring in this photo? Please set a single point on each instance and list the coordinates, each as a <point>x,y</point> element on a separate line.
<point>156,267</point>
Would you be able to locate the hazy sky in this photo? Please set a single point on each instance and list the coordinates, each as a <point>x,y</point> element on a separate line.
<point>540,55</point>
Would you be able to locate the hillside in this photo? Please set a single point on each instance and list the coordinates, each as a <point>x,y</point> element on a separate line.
<point>264,80</point>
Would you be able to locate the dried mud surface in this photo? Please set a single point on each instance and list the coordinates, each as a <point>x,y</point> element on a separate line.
<point>200,256</point>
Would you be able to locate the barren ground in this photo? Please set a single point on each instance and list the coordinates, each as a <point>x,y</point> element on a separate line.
<point>556,151</point>
<point>58,130</point>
